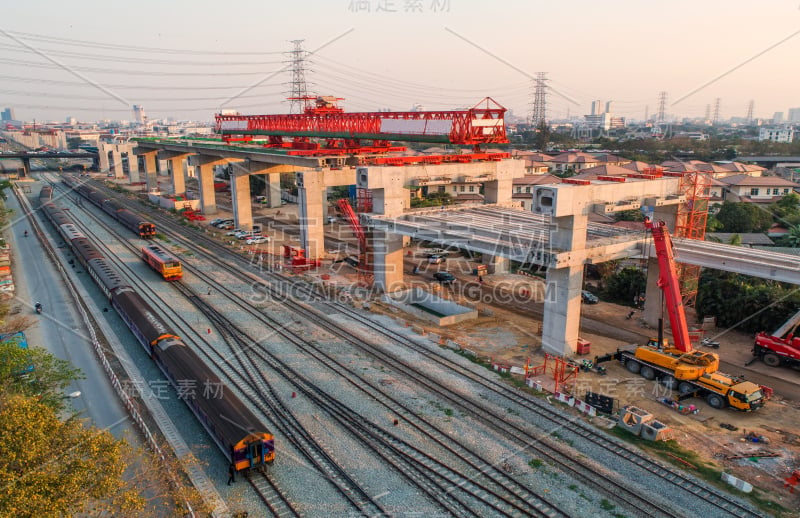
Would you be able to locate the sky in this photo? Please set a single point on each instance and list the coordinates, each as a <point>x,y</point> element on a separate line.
<point>93,60</point>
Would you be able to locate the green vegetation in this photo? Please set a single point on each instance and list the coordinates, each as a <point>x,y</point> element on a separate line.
<point>606,505</point>
<point>623,286</point>
<point>433,199</point>
<point>536,463</point>
<point>748,304</point>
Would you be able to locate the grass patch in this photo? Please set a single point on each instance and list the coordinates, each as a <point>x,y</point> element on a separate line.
<point>709,471</point>
<point>606,505</point>
<point>536,463</point>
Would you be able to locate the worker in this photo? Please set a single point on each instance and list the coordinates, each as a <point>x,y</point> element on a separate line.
<point>26,233</point>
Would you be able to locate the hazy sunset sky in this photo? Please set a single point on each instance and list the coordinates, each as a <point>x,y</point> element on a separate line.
<point>93,60</point>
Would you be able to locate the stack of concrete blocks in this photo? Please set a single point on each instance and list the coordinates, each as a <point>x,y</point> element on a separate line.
<point>641,422</point>
<point>655,431</point>
<point>632,418</point>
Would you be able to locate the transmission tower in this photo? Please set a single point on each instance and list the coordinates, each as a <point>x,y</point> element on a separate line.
<point>662,105</point>
<point>539,112</point>
<point>716,111</point>
<point>299,87</point>
<point>750,111</point>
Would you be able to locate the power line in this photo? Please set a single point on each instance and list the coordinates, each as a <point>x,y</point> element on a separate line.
<point>130,72</point>
<point>127,59</point>
<point>125,86</point>
<point>132,48</point>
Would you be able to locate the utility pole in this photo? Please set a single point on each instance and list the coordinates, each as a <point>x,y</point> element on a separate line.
<point>539,112</point>
<point>662,105</point>
<point>299,86</point>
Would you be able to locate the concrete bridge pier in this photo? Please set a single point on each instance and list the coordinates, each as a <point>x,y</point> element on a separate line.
<point>310,192</point>
<point>176,169</point>
<point>240,199</point>
<point>150,169</point>
<point>562,306</point>
<point>205,181</point>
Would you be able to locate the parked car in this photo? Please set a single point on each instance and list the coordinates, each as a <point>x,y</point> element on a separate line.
<point>216,221</point>
<point>436,258</point>
<point>221,223</point>
<point>225,226</point>
<point>589,297</point>
<point>257,240</point>
<point>444,277</point>
<point>234,232</point>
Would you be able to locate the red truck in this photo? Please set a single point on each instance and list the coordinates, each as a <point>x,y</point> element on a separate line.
<point>782,347</point>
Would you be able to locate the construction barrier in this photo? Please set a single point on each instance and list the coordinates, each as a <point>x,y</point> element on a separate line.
<point>585,408</point>
<point>565,398</point>
<point>534,384</point>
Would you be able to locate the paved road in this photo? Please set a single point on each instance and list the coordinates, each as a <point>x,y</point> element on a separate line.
<point>60,329</point>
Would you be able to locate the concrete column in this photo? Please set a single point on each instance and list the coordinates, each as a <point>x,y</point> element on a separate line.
<point>495,263</point>
<point>311,189</point>
<point>273,190</point>
<point>562,307</point>
<point>178,179</point>
<point>115,166</point>
<point>562,310</point>
<point>150,170</point>
<point>133,165</point>
<point>653,294</point>
<point>498,191</point>
<point>208,201</point>
<point>102,156</point>
<point>240,198</point>
<point>387,260</point>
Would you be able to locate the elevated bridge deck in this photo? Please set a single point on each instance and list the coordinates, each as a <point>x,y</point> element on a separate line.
<point>525,237</point>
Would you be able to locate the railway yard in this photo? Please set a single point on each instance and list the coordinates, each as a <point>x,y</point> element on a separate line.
<point>375,413</point>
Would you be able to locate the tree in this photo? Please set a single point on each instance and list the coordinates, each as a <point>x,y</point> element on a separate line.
<point>786,208</point>
<point>743,218</point>
<point>48,379</point>
<point>542,136</point>
<point>623,286</point>
<point>629,215</point>
<point>50,467</point>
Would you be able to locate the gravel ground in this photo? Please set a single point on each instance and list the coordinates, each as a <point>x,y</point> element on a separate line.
<point>293,471</point>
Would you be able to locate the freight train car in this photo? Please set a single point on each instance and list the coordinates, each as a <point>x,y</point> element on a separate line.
<point>243,439</point>
<point>131,220</point>
<point>167,265</point>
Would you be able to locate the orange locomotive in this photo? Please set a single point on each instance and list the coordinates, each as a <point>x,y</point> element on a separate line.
<point>166,264</point>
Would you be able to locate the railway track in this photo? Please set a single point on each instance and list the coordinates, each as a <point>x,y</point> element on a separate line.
<point>699,490</point>
<point>409,460</point>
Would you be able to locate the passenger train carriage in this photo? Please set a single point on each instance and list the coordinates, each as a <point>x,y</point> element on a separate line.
<point>242,437</point>
<point>130,219</point>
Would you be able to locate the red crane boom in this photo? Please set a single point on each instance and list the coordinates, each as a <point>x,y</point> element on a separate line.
<point>669,284</point>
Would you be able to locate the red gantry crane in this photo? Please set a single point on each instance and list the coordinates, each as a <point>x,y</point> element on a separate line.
<point>324,119</point>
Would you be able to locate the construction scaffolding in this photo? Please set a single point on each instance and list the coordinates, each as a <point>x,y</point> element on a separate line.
<point>691,224</point>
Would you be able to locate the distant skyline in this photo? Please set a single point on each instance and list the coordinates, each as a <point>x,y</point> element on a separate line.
<point>94,60</point>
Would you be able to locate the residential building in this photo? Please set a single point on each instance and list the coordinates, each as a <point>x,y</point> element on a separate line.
<point>7,114</point>
<point>785,134</point>
<point>757,189</point>
<point>794,115</point>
